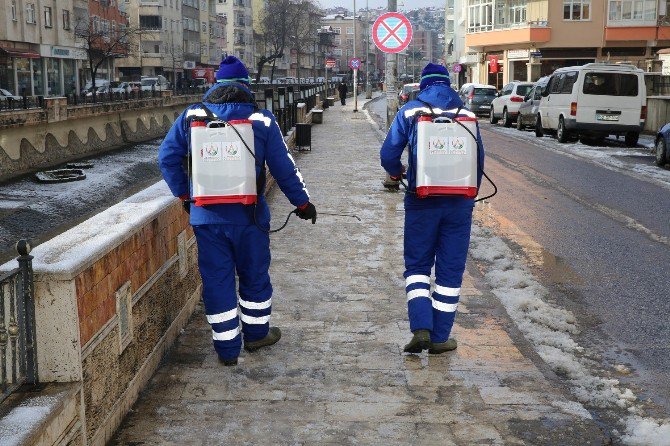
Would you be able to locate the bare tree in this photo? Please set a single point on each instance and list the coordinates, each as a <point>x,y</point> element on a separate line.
<point>103,44</point>
<point>276,21</point>
<point>174,53</point>
<point>284,23</point>
<point>305,37</point>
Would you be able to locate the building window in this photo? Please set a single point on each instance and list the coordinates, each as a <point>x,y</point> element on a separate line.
<point>350,30</point>
<point>480,15</point>
<point>517,12</point>
<point>14,10</point>
<point>47,17</point>
<point>576,9</point>
<point>632,10</point>
<point>30,13</point>
<point>66,19</point>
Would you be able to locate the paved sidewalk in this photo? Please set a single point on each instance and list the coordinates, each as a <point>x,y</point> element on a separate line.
<point>338,376</point>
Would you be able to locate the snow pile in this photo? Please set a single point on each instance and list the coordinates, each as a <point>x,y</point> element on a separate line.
<point>550,330</point>
<point>88,241</point>
<point>22,420</point>
<point>643,431</point>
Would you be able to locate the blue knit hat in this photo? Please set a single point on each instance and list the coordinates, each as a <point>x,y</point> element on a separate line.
<point>433,73</point>
<point>232,70</point>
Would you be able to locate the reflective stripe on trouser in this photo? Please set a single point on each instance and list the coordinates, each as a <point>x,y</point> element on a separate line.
<point>439,237</point>
<point>223,250</point>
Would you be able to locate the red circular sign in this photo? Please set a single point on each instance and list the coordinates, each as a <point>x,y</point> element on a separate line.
<point>392,32</point>
<point>354,63</point>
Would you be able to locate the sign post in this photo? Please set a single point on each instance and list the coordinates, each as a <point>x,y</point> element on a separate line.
<point>355,64</point>
<point>330,63</point>
<point>392,33</point>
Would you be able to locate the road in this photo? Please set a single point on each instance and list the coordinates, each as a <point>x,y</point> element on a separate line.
<point>40,211</point>
<point>592,225</point>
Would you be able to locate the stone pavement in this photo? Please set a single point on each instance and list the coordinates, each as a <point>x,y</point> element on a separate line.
<point>338,375</point>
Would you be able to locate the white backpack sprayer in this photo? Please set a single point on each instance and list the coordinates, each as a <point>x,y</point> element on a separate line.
<point>222,165</point>
<point>447,156</point>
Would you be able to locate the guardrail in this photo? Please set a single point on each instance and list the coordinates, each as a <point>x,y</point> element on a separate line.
<point>18,355</point>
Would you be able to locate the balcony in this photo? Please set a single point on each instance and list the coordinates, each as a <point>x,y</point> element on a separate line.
<point>528,34</point>
<point>621,33</point>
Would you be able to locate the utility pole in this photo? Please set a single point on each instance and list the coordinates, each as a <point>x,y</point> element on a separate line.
<point>368,87</point>
<point>355,70</point>
<point>391,74</point>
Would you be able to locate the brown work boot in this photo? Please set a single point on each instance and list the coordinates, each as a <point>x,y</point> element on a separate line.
<point>420,341</point>
<point>272,337</point>
<point>443,347</point>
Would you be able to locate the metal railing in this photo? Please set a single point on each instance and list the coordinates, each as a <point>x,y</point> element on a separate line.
<point>18,353</point>
<point>282,100</point>
<point>23,103</point>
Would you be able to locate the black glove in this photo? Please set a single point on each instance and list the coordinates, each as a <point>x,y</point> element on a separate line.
<point>306,213</point>
<point>186,204</point>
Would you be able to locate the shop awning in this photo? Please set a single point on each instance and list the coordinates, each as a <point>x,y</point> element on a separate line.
<point>14,52</point>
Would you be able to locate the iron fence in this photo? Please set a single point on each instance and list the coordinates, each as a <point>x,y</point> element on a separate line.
<point>18,353</point>
<point>21,103</point>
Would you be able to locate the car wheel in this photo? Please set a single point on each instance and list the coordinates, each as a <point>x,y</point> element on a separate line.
<point>492,117</point>
<point>661,152</point>
<point>539,132</point>
<point>507,121</point>
<point>561,132</point>
<point>631,139</point>
<point>519,122</point>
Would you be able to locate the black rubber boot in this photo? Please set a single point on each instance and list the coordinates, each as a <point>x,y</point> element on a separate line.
<point>443,347</point>
<point>420,341</point>
<point>228,362</point>
<point>273,336</point>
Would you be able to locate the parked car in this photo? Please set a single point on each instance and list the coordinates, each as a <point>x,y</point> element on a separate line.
<point>529,108</point>
<point>506,105</point>
<point>155,83</point>
<point>478,98</point>
<point>407,93</point>
<point>662,144</point>
<point>6,95</point>
<point>595,100</point>
<point>120,87</point>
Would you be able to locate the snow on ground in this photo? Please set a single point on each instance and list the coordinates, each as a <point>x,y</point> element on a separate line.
<point>23,419</point>
<point>635,161</point>
<point>550,330</point>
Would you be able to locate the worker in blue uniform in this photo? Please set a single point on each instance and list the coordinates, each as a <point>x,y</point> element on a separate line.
<point>437,228</point>
<point>233,238</point>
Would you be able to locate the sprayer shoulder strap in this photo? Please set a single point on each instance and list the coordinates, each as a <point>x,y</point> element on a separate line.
<point>211,116</point>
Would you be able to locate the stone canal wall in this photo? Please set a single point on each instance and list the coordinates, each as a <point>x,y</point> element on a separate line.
<point>112,294</point>
<point>40,138</point>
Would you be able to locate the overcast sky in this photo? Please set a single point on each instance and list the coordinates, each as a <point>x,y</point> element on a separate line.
<point>409,4</point>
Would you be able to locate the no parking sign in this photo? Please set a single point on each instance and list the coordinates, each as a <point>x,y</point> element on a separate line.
<point>392,32</point>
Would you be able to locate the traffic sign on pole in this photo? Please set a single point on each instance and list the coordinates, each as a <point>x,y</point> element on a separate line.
<point>330,62</point>
<point>354,63</point>
<point>457,68</point>
<point>392,32</point>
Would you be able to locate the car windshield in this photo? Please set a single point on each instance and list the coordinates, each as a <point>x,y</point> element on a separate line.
<point>610,84</point>
<point>522,90</point>
<point>5,92</point>
<point>484,92</point>
<point>148,82</point>
<point>409,88</point>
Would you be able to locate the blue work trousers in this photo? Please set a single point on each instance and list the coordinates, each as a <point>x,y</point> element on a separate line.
<point>223,250</point>
<point>439,237</point>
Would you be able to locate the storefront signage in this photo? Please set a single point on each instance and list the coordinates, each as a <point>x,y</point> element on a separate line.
<point>189,64</point>
<point>518,54</point>
<point>61,52</point>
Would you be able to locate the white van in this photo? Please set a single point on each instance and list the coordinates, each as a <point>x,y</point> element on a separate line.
<point>593,101</point>
<point>157,83</point>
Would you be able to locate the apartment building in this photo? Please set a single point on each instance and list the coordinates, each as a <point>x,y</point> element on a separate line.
<point>526,39</point>
<point>343,44</point>
<point>160,40</point>
<point>424,48</point>
<point>39,53</point>
<point>212,34</point>
<point>239,29</point>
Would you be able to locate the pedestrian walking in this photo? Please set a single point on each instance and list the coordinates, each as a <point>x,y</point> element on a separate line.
<point>342,88</point>
<point>437,228</point>
<point>233,238</point>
